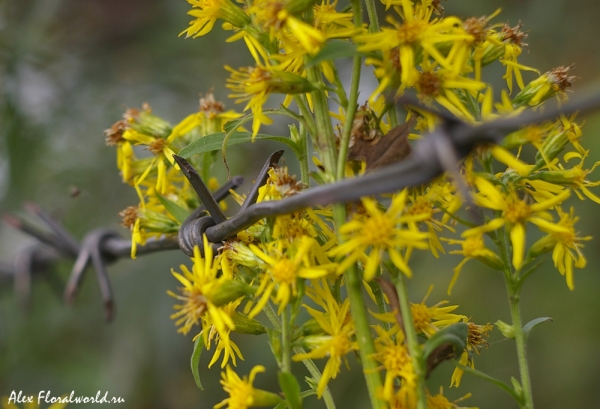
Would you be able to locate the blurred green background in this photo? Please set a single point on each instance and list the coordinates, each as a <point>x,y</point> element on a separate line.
<point>68,68</point>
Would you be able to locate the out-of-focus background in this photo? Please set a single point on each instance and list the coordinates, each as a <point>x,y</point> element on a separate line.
<point>68,69</point>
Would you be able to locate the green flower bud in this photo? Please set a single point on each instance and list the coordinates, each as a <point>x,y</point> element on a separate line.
<point>506,329</point>
<point>246,325</point>
<point>230,291</point>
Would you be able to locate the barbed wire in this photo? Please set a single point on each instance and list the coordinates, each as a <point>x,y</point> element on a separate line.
<point>438,151</point>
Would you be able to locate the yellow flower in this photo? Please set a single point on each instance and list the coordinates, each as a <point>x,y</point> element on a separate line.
<point>207,12</point>
<point>206,291</point>
<point>475,341</point>
<point>439,401</point>
<point>565,245</point>
<point>284,266</point>
<point>394,357</point>
<point>429,320</point>
<point>335,320</point>
<point>277,18</point>
<point>382,232</point>
<point>473,247</point>
<point>515,213</point>
<point>242,394</point>
<point>445,87</point>
<point>255,84</point>
<point>416,31</point>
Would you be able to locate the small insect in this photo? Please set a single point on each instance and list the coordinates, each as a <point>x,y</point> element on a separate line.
<point>380,151</point>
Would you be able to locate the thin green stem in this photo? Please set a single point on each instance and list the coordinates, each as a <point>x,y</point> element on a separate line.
<point>316,375</point>
<point>513,289</point>
<point>304,174</point>
<point>352,102</point>
<point>366,346</point>
<point>308,363</point>
<point>372,13</point>
<point>323,139</point>
<point>286,341</point>
<point>515,314</point>
<point>306,114</point>
<point>412,341</point>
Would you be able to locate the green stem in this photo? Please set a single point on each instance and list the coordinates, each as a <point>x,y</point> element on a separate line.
<point>304,174</point>
<point>306,114</point>
<point>323,139</point>
<point>414,348</point>
<point>372,13</point>
<point>352,102</point>
<point>366,346</point>
<point>515,314</point>
<point>286,341</point>
<point>316,375</point>
<point>308,363</point>
<point>513,287</point>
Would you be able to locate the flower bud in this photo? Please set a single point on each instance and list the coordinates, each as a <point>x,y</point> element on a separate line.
<point>230,291</point>
<point>247,325</point>
<point>506,329</point>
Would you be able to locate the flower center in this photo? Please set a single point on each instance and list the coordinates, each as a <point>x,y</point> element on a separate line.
<point>377,230</point>
<point>410,31</point>
<point>421,316</point>
<point>395,358</point>
<point>516,211</point>
<point>284,271</point>
<point>157,146</point>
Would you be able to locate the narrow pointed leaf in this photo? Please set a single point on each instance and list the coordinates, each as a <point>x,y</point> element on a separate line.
<point>178,212</point>
<point>195,361</point>
<point>291,389</point>
<point>534,323</point>
<point>333,50</point>
<point>214,142</point>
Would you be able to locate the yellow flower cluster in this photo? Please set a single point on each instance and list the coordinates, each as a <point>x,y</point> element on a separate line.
<point>314,260</point>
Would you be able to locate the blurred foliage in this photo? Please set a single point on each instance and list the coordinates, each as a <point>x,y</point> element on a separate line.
<point>68,69</point>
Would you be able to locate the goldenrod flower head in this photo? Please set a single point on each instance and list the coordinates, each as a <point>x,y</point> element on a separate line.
<point>284,265</point>
<point>277,17</point>
<point>552,83</point>
<point>473,247</point>
<point>395,359</point>
<point>242,394</point>
<point>416,31</point>
<point>565,245</point>
<point>381,232</point>
<point>439,401</point>
<point>429,320</point>
<point>335,321</point>
<point>255,84</point>
<point>144,122</point>
<point>515,213</point>
<point>476,336</point>
<point>207,12</point>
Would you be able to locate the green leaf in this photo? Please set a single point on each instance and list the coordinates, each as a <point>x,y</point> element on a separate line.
<point>214,142</point>
<point>291,389</point>
<point>333,50</point>
<point>518,397</point>
<point>534,323</point>
<point>178,212</point>
<point>195,361</point>
<point>455,335</point>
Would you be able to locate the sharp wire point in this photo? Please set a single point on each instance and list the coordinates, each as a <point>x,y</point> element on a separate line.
<point>261,179</point>
<point>201,190</point>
